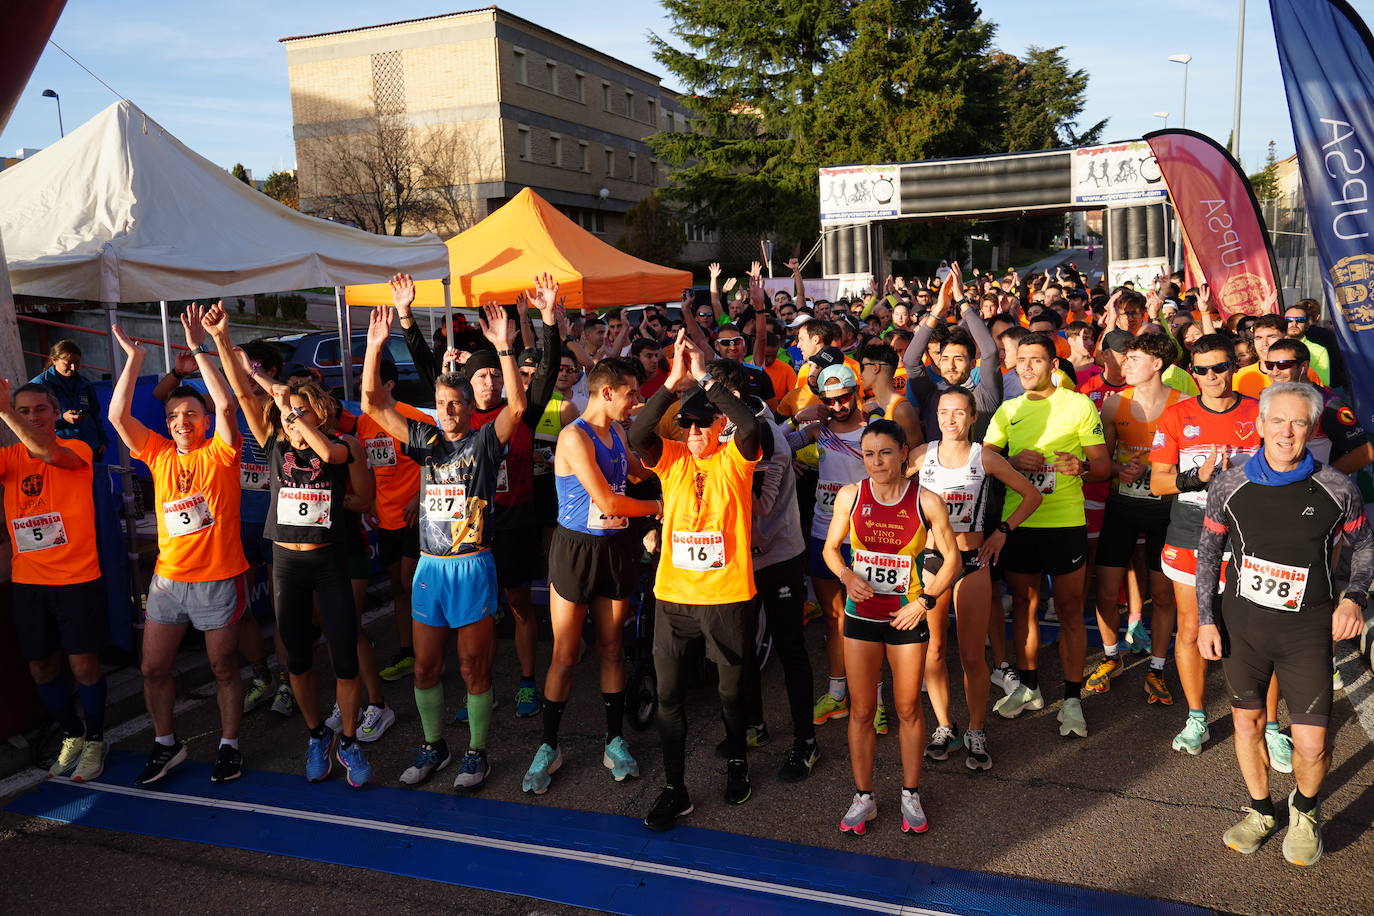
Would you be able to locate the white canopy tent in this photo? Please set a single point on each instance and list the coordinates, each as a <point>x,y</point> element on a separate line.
<point>121,211</point>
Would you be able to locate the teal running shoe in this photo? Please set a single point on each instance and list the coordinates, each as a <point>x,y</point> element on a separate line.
<point>619,760</point>
<point>547,760</point>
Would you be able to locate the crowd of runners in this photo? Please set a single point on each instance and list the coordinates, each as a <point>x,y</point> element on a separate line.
<point>928,461</point>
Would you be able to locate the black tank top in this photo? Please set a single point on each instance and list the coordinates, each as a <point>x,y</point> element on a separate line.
<point>307,495</point>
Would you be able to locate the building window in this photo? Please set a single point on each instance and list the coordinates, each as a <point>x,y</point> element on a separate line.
<point>584,156</point>
<point>522,74</point>
<point>634,167</point>
<point>551,71</point>
<point>606,96</point>
<point>524,133</point>
<point>653,113</point>
<point>669,116</point>
<point>599,223</point>
<point>556,149</point>
<point>581,88</point>
<point>699,234</point>
<point>653,171</point>
<point>610,162</point>
<point>629,104</point>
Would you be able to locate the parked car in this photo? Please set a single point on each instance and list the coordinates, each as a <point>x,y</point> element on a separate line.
<point>320,351</point>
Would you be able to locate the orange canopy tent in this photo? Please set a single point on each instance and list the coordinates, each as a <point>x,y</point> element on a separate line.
<point>501,255</point>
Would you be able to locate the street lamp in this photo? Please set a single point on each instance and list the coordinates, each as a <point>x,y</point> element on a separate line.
<point>50,94</point>
<point>1184,60</point>
<point>1165,116</point>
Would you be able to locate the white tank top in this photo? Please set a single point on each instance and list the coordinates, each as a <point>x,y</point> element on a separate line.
<point>842,463</point>
<point>963,488</point>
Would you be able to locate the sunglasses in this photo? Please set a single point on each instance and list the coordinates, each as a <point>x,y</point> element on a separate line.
<point>1216,368</point>
<point>1282,365</point>
<point>689,422</point>
<point>567,368</point>
<point>703,314</point>
<point>1296,320</point>
<point>729,341</point>
<point>838,399</point>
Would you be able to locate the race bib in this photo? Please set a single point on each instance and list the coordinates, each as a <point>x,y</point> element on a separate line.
<point>959,504</point>
<point>445,502</point>
<point>39,532</point>
<point>1042,480</point>
<point>826,491</point>
<point>303,508</point>
<point>888,573</point>
<point>598,522</point>
<point>543,460</point>
<point>253,476</point>
<point>699,551</point>
<point>1138,488</point>
<point>181,517</point>
<point>502,481</point>
<point>381,452</point>
<point>1272,585</point>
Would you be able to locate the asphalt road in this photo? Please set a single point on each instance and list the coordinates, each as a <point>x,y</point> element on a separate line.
<point>1118,811</point>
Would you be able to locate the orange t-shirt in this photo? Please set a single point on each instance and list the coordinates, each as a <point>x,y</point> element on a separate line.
<point>398,478</point>
<point>52,517</point>
<point>196,502</point>
<point>1251,380</point>
<point>782,377</point>
<point>707,515</point>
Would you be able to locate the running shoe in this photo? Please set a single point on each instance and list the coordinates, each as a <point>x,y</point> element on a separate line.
<point>880,719</point>
<point>1280,748</point>
<point>1051,615</point>
<point>1253,829</point>
<point>376,720</point>
<point>355,764</point>
<point>944,739</point>
<point>1018,701</point>
<point>402,663</point>
<point>228,764</point>
<point>1071,721</point>
<point>546,762</point>
<point>861,810</point>
<point>161,762</point>
<point>430,759</point>
<point>473,770</point>
<point>672,803</point>
<point>754,736</point>
<point>284,703</point>
<point>827,708</point>
<point>618,759</point>
<point>976,742</point>
<point>92,762</point>
<point>318,762</point>
<point>913,815</point>
<point>1193,736</point>
<point>1302,844</point>
<point>737,786</point>
<point>527,702</point>
<point>1006,677</point>
<point>1156,691</point>
<point>335,720</point>
<point>68,756</point>
<point>1100,681</point>
<point>257,693</point>
<point>1337,682</point>
<point>1137,639</point>
<point>461,716</point>
<point>799,760</point>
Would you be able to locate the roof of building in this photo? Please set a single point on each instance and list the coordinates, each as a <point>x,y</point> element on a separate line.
<point>481,9</point>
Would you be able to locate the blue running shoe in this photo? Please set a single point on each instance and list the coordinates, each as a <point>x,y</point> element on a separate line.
<point>473,771</point>
<point>318,762</point>
<point>619,760</point>
<point>430,759</point>
<point>527,701</point>
<point>547,760</point>
<point>358,769</point>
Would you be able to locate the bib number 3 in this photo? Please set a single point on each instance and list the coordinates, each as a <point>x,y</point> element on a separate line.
<point>181,517</point>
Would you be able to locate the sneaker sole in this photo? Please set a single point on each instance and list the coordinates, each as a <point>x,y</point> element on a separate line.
<point>673,823</point>
<point>218,779</point>
<point>747,795</point>
<point>1151,699</point>
<point>975,765</point>
<point>841,714</point>
<point>609,764</point>
<point>366,739</point>
<point>476,785</point>
<point>393,676</point>
<point>1189,749</point>
<point>938,755</point>
<point>858,829</point>
<point>177,758</point>
<point>553,768</point>
<point>907,828</point>
<point>426,778</point>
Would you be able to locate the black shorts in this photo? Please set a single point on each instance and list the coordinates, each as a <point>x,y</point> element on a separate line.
<point>518,555</point>
<point>585,566</point>
<point>60,618</point>
<point>881,631</point>
<point>729,630</point>
<point>393,544</point>
<point>546,500</point>
<point>931,561</point>
<point>1296,647</point>
<point>1124,525</point>
<point>1045,551</point>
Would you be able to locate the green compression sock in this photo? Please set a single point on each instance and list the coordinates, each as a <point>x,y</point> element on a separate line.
<point>479,719</point>
<point>430,702</point>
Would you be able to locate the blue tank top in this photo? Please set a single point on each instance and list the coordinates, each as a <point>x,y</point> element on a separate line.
<point>576,511</point>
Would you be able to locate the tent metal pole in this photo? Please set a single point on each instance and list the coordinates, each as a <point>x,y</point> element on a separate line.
<point>122,468</point>
<point>448,315</point>
<point>345,341</point>
<point>167,360</point>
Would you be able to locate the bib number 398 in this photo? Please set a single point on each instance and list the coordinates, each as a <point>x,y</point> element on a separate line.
<point>699,551</point>
<point>1272,585</point>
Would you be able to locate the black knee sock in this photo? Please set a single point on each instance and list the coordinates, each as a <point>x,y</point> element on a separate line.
<point>615,714</point>
<point>92,698</point>
<point>1031,679</point>
<point>56,695</point>
<point>1264,805</point>
<point>553,717</point>
<point>1073,690</point>
<point>1304,803</point>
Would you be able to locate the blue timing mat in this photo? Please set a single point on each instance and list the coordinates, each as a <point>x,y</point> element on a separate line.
<point>599,861</point>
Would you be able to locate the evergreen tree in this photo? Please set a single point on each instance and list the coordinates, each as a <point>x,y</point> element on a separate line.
<point>241,173</point>
<point>1042,99</point>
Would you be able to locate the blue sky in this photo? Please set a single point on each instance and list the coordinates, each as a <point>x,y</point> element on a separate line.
<point>213,72</point>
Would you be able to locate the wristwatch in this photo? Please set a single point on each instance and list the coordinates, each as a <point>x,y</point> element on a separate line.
<point>929,600</point>
<point>293,416</point>
<point>1360,598</point>
<point>179,376</point>
<point>505,352</point>
<point>1004,527</point>
<point>200,349</point>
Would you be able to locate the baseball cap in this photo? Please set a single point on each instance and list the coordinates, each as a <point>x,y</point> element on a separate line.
<point>529,356</point>
<point>697,406</point>
<point>801,319</point>
<point>836,378</point>
<point>1116,340</point>
<point>826,357</point>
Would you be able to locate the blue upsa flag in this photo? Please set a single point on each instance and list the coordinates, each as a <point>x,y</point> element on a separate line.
<point>1326,53</point>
